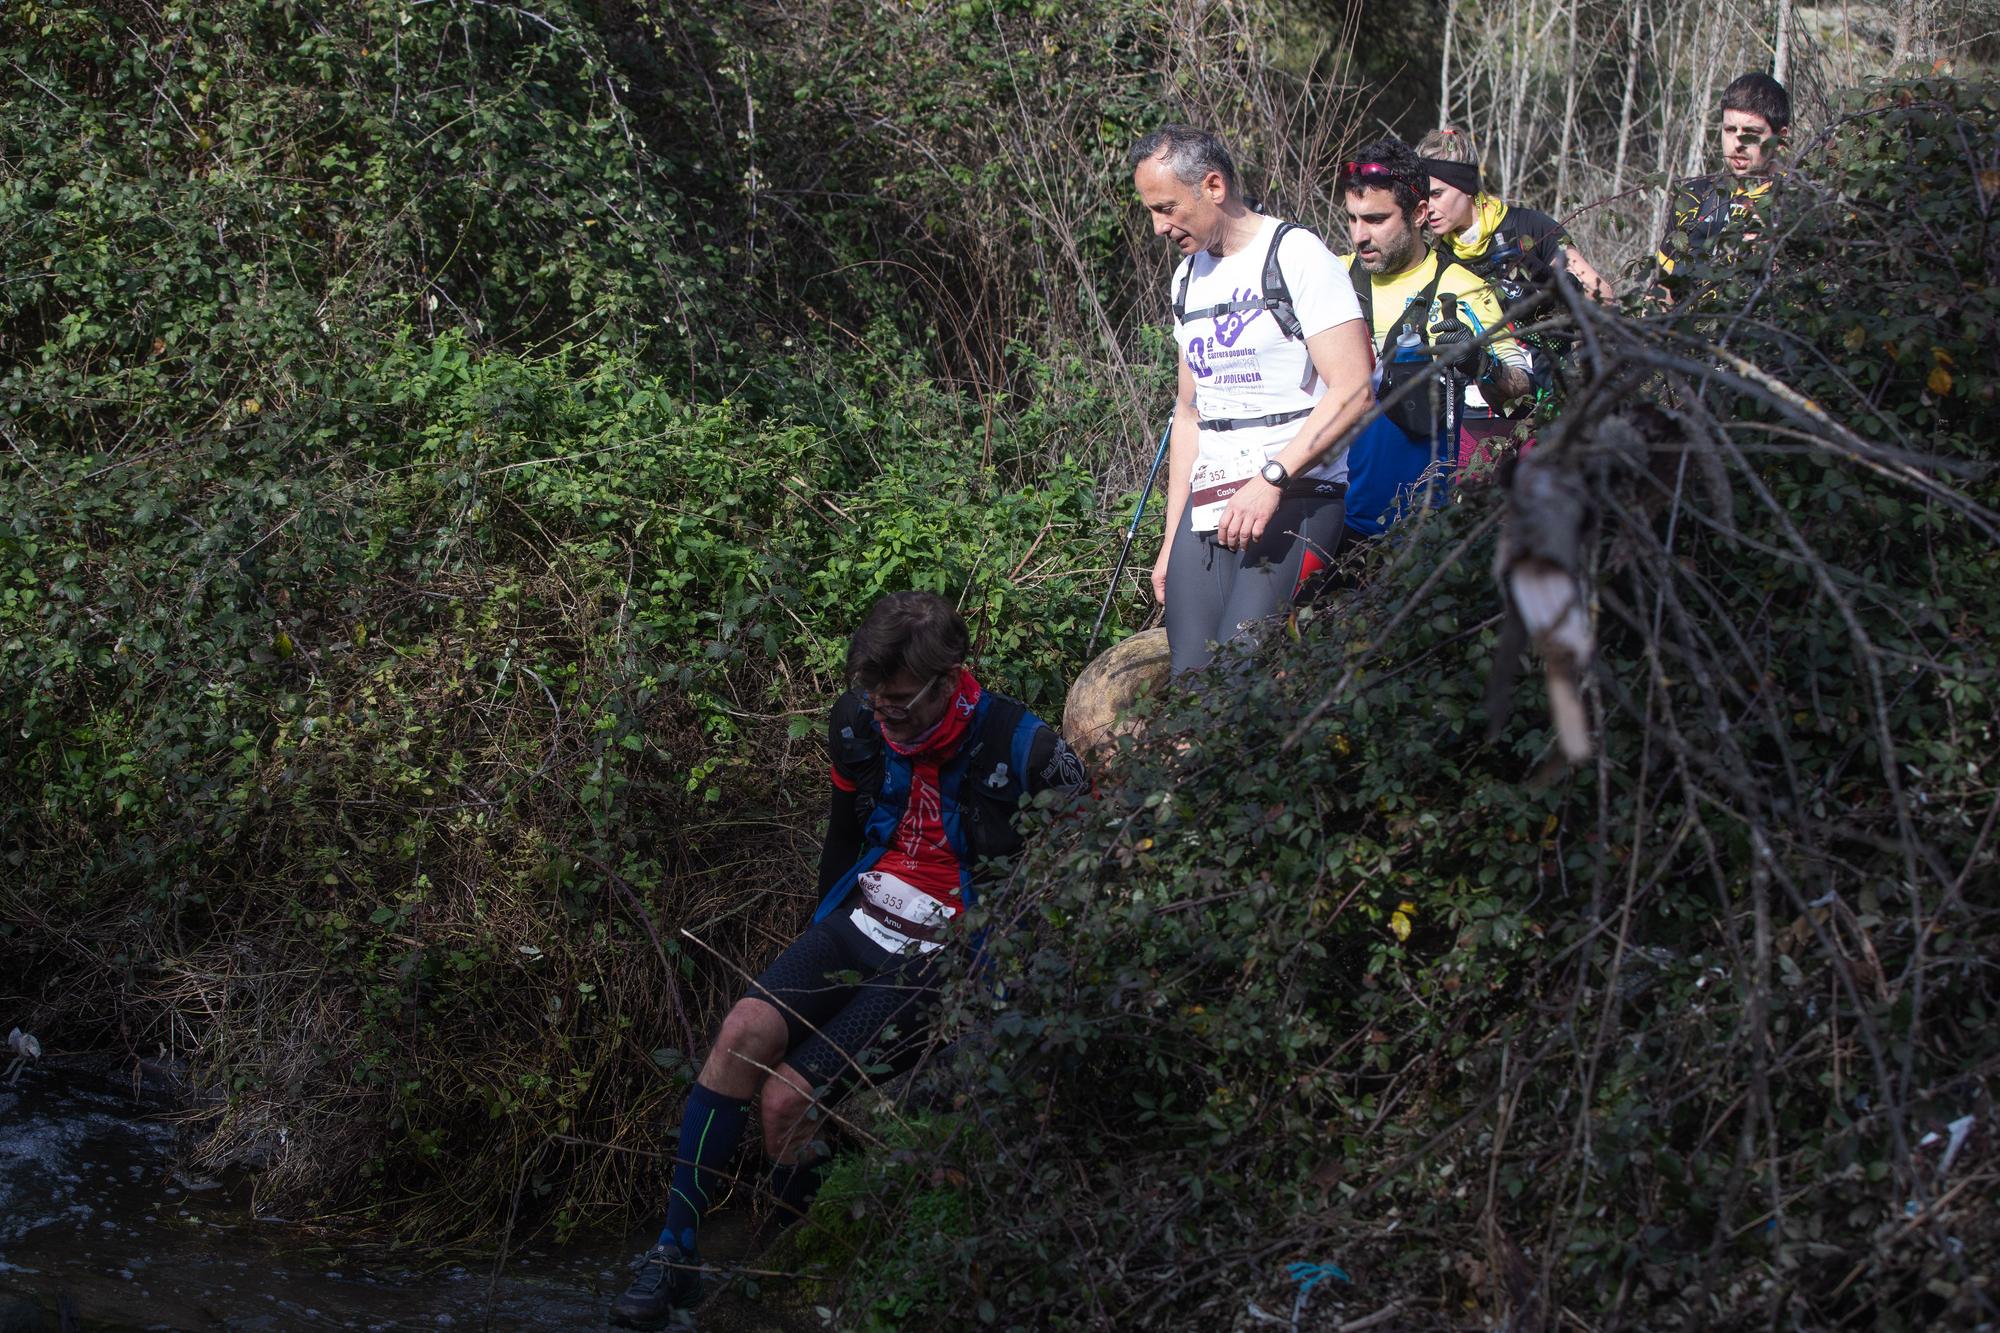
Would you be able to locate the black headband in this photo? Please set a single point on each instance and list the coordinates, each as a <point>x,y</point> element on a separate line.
<point>1458,175</point>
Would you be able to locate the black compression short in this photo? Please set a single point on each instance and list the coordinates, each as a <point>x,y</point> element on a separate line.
<point>849,1005</point>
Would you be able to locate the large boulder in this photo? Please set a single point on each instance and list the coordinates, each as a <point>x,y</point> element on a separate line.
<point>1099,708</point>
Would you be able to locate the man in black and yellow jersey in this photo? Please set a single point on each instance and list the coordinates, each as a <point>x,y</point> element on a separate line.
<point>1736,203</point>
<point>1401,284</point>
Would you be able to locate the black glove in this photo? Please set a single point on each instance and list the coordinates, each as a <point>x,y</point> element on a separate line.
<point>1451,342</point>
<point>1459,354</point>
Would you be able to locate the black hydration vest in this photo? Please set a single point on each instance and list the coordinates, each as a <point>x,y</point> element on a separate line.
<point>1413,415</point>
<point>979,787</point>
<point>1504,266</point>
<point>1277,297</point>
<point>1509,272</point>
<point>1711,213</point>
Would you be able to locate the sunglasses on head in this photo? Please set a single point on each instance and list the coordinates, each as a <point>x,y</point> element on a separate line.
<point>1375,171</point>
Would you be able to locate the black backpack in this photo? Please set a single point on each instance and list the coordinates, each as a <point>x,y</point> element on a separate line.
<point>1277,299</point>
<point>994,758</point>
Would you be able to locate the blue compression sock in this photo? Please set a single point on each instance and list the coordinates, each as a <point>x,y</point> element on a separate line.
<point>711,1127</point>
<point>793,1186</point>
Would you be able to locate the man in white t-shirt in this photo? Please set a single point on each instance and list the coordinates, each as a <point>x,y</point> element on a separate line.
<point>1274,372</point>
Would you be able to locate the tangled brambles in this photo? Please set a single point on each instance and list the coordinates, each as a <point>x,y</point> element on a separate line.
<point>1669,1039</point>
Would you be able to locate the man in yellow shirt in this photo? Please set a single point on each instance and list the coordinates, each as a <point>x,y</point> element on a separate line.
<point>1402,285</point>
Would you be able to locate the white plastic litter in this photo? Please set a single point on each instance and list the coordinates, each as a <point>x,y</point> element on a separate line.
<point>25,1048</point>
<point>1954,1137</point>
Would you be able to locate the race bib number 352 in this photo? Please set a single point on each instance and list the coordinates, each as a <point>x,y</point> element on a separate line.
<point>1215,479</point>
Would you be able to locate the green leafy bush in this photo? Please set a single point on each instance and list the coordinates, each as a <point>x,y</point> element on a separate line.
<point>403,641</point>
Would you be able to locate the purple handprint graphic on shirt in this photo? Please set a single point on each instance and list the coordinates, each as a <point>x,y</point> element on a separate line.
<point>1229,327</point>
<point>1197,357</point>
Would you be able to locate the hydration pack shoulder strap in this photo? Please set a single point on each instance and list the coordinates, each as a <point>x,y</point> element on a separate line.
<point>1488,265</point>
<point>1364,292</point>
<point>1276,297</point>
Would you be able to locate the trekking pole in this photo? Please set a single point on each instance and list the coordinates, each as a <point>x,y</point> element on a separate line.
<point>1159,457</point>
<point>1451,331</point>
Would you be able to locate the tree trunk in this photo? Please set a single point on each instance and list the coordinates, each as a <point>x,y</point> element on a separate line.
<point>1569,113</point>
<point>1520,79</point>
<point>1781,49</point>
<point>1637,23</point>
<point>1444,67</point>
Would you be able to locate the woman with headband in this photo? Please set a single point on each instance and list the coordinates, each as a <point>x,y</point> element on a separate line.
<point>1480,227</point>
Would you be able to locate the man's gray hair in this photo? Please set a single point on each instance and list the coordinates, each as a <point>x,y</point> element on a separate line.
<point>1190,154</point>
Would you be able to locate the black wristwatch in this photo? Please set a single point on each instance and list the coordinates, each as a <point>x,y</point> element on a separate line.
<point>1274,472</point>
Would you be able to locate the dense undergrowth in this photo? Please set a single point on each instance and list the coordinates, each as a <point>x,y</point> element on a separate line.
<point>1677,1039</point>
<point>447,445</point>
<point>431,543</point>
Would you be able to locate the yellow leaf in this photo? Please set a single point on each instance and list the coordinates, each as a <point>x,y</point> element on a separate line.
<point>252,407</point>
<point>1855,337</point>
<point>1399,925</point>
<point>1940,381</point>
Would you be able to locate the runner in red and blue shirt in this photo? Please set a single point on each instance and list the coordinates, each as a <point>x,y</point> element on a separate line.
<point>929,769</point>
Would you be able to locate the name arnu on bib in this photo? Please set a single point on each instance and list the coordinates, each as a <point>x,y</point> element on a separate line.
<point>899,916</point>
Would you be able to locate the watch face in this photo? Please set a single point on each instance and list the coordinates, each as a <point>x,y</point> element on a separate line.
<point>1274,472</point>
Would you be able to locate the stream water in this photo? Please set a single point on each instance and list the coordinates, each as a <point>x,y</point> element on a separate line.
<point>100,1227</point>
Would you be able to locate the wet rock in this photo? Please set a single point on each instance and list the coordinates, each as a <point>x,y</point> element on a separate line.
<point>88,1243</point>
<point>23,1314</point>
<point>1099,708</point>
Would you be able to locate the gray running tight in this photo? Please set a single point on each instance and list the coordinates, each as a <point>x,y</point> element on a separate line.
<point>1213,593</point>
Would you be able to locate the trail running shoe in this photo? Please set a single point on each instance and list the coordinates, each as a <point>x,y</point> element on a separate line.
<point>664,1280</point>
